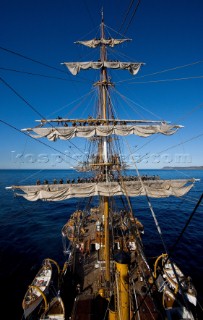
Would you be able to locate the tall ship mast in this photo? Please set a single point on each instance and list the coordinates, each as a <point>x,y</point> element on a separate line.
<point>106,274</point>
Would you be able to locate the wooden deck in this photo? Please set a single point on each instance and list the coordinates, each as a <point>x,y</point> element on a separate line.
<point>89,270</point>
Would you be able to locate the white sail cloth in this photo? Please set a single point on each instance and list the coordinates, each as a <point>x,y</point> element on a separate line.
<point>66,133</point>
<point>97,42</point>
<point>75,67</point>
<point>153,188</point>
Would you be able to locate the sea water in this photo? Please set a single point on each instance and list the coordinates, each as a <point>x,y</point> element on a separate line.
<point>31,231</point>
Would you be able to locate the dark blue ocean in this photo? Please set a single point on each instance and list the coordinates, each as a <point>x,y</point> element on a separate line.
<point>31,231</point>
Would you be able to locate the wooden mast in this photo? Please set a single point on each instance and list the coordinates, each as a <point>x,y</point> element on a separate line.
<point>104,111</point>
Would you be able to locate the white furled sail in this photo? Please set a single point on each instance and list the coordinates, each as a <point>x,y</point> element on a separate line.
<point>66,133</point>
<point>75,67</point>
<point>97,42</point>
<point>153,188</point>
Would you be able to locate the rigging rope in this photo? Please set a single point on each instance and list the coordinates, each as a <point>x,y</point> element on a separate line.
<point>31,175</point>
<point>21,97</point>
<point>186,225</point>
<point>107,27</point>
<point>190,112</point>
<point>117,54</point>
<point>134,12</point>
<point>33,60</point>
<point>127,99</point>
<point>11,126</point>
<point>42,75</point>
<point>93,30</point>
<point>67,105</point>
<point>89,13</point>
<point>166,80</point>
<point>190,199</point>
<point>125,17</point>
<point>34,109</point>
<point>178,144</point>
<point>158,228</point>
<point>41,63</point>
<point>162,71</point>
<point>148,153</point>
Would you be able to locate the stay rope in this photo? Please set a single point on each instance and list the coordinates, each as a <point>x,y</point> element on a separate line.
<point>158,227</point>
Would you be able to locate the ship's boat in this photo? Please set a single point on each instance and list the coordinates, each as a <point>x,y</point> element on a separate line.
<point>106,274</point>
<point>38,288</point>
<point>186,286</point>
<point>55,310</point>
<point>178,281</point>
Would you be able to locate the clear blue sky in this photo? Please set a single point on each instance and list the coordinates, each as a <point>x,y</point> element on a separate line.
<point>166,34</point>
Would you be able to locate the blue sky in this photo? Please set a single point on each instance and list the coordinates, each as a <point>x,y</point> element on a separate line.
<point>166,35</point>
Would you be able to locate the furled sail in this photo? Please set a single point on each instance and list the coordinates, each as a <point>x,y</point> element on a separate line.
<point>75,67</point>
<point>153,188</point>
<point>97,42</point>
<point>66,133</point>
